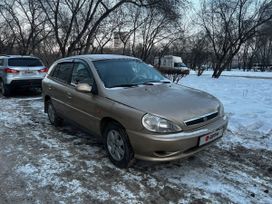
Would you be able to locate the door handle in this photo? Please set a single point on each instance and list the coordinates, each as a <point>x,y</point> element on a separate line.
<point>69,95</point>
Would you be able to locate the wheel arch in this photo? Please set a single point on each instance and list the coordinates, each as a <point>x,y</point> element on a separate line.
<point>107,120</point>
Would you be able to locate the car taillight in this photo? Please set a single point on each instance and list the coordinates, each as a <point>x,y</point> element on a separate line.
<point>44,70</point>
<point>11,71</point>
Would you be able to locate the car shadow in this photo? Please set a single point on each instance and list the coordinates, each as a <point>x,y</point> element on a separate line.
<point>150,166</point>
<point>23,93</point>
<point>78,136</point>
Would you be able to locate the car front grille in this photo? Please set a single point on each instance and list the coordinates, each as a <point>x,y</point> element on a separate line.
<point>201,119</point>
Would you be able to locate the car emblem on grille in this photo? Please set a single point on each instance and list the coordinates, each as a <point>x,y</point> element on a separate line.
<point>205,119</point>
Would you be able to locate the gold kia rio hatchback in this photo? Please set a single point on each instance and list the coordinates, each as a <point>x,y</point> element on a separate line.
<point>136,111</point>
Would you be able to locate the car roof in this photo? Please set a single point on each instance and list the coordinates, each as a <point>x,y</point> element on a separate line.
<point>96,57</point>
<point>18,56</point>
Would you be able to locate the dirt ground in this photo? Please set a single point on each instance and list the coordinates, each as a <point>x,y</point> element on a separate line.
<point>43,164</point>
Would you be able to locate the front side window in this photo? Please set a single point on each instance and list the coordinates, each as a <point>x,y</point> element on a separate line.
<point>24,62</point>
<point>62,71</point>
<point>125,72</point>
<point>81,75</point>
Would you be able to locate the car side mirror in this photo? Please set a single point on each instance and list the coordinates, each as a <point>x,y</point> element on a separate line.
<point>84,88</point>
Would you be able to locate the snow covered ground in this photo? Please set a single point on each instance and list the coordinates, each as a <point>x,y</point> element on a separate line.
<point>247,102</point>
<point>239,73</point>
<point>43,164</point>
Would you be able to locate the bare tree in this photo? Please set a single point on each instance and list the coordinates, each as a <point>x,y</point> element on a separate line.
<point>246,55</point>
<point>74,20</point>
<point>117,25</point>
<point>200,54</point>
<point>131,21</point>
<point>26,23</point>
<point>155,31</point>
<point>263,46</point>
<point>7,38</point>
<point>229,24</point>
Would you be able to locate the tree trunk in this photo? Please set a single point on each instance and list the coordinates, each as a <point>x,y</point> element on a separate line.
<point>217,72</point>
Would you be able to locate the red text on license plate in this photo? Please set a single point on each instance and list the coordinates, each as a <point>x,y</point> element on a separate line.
<point>210,137</point>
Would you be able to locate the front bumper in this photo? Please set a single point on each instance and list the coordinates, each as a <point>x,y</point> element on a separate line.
<point>169,147</point>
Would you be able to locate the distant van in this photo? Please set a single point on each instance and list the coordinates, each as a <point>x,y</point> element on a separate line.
<point>170,62</point>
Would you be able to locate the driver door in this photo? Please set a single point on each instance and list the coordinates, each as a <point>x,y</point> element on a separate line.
<point>83,105</point>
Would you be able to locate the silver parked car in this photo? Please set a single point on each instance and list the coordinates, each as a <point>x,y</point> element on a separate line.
<point>20,71</point>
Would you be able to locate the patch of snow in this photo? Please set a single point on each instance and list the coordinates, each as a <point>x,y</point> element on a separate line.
<point>30,99</point>
<point>47,174</point>
<point>235,185</point>
<point>133,178</point>
<point>27,169</point>
<point>152,183</point>
<point>101,195</point>
<point>124,192</point>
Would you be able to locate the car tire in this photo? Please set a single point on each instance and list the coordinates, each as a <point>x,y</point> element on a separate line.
<point>118,146</point>
<point>52,115</point>
<point>5,89</point>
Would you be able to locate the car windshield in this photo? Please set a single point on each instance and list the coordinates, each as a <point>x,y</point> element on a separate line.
<point>126,73</point>
<point>24,62</point>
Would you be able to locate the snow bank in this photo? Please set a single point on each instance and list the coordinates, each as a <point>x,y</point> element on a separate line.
<point>238,73</point>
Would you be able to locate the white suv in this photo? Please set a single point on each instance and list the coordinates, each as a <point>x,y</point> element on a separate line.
<point>20,71</point>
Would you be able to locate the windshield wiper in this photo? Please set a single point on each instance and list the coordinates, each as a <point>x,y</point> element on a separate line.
<point>151,82</point>
<point>124,85</point>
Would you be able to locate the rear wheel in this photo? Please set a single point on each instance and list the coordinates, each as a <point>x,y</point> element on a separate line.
<point>118,146</point>
<point>52,115</point>
<point>5,89</point>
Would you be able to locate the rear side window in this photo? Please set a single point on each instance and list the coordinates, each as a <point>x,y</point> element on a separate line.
<point>24,62</point>
<point>1,62</point>
<point>62,72</point>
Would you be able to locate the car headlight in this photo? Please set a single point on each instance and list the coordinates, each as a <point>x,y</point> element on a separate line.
<point>157,124</point>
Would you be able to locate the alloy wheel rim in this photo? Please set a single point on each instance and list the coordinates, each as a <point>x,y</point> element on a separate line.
<point>115,145</point>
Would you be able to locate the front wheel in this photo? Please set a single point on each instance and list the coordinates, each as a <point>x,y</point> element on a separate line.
<point>118,147</point>
<point>52,115</point>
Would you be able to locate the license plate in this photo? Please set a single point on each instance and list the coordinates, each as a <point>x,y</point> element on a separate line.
<point>28,72</point>
<point>210,137</point>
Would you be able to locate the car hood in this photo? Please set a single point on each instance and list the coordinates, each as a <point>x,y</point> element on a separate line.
<point>170,101</point>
